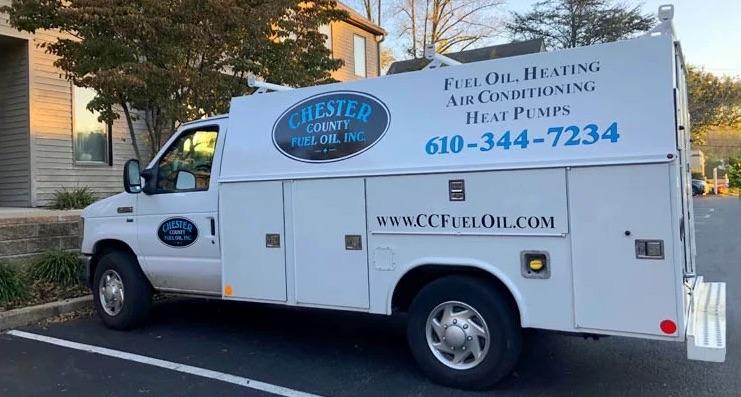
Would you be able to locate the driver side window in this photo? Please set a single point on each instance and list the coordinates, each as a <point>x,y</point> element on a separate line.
<point>186,165</point>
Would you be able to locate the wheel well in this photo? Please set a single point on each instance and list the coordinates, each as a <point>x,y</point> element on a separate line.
<point>414,280</point>
<point>101,248</point>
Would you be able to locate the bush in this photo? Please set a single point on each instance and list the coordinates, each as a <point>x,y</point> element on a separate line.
<point>734,173</point>
<point>57,267</point>
<point>72,199</point>
<point>12,286</point>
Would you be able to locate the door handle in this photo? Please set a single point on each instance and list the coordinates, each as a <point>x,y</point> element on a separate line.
<point>212,221</point>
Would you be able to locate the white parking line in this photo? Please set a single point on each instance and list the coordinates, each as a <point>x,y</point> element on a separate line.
<point>202,372</point>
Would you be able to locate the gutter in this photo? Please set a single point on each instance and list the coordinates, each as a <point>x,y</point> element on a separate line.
<point>378,52</point>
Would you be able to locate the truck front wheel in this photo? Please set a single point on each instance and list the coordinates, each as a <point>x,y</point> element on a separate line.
<point>121,292</point>
<point>463,332</point>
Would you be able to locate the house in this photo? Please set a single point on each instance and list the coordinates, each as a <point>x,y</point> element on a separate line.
<point>357,41</point>
<point>51,141</point>
<point>479,54</point>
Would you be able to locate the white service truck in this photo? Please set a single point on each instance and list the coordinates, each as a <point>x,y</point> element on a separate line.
<point>548,191</point>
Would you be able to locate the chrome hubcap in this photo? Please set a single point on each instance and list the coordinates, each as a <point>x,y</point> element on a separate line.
<point>457,335</point>
<point>111,292</point>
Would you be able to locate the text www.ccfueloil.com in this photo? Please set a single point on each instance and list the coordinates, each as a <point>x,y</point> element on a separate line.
<point>485,221</point>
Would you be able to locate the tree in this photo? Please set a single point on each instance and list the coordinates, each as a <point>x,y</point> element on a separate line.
<point>169,61</point>
<point>372,9</point>
<point>733,172</point>
<point>713,102</point>
<point>387,58</point>
<point>448,24</point>
<point>574,23</point>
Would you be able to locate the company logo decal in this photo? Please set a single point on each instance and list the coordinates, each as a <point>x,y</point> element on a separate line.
<point>330,127</point>
<point>177,232</point>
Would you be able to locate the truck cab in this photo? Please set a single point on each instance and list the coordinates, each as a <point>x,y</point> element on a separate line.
<point>180,186</point>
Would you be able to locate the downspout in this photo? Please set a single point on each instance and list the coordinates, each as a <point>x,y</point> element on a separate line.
<point>378,53</point>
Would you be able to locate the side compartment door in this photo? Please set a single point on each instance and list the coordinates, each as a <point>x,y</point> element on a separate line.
<point>252,231</point>
<point>330,244</point>
<point>619,284</point>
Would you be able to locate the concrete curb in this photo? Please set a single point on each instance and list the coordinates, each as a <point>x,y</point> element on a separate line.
<point>29,315</point>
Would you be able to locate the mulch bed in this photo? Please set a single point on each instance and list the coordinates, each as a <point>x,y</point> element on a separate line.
<point>45,292</point>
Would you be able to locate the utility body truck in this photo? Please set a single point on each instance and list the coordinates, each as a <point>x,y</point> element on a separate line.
<point>479,198</point>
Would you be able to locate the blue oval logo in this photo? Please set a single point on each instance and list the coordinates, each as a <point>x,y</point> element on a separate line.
<point>178,232</point>
<point>331,126</point>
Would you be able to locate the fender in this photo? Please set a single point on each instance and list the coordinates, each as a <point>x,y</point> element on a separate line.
<point>463,262</point>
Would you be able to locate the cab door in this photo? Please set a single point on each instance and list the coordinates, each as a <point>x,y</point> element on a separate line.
<point>176,218</point>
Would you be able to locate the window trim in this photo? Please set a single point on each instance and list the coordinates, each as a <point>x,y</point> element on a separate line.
<point>108,162</point>
<point>365,56</point>
<point>330,38</point>
<point>156,162</point>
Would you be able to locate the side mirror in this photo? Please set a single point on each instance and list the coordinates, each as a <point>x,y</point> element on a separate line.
<point>185,181</point>
<point>132,177</point>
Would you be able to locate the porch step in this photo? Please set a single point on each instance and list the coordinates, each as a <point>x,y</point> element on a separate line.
<point>706,329</point>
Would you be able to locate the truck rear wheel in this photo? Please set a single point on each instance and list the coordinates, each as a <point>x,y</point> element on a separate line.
<point>121,292</point>
<point>463,333</point>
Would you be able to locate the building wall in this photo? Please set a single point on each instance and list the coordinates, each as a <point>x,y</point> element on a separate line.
<point>51,132</point>
<point>342,48</point>
<point>15,163</point>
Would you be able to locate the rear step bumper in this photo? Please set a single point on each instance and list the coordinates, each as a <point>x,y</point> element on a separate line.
<point>706,328</point>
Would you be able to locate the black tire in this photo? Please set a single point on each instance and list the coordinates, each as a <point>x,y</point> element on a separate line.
<point>505,341</point>
<point>137,291</point>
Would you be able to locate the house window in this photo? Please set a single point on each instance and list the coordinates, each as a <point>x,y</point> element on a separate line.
<point>327,31</point>
<point>91,137</point>
<point>359,55</point>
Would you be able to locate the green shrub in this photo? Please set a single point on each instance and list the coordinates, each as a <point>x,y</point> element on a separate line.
<point>73,199</point>
<point>734,173</point>
<point>56,266</point>
<point>12,285</point>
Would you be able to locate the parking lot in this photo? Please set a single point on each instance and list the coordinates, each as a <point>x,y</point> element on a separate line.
<point>210,348</point>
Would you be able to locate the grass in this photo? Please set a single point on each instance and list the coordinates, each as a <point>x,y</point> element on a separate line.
<point>57,267</point>
<point>72,199</point>
<point>13,287</point>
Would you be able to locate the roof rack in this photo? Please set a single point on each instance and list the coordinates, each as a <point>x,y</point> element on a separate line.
<point>437,60</point>
<point>264,87</point>
<point>665,26</point>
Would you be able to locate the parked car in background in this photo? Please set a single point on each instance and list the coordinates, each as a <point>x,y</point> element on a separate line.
<point>699,187</point>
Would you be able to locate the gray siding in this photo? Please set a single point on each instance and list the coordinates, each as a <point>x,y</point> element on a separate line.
<point>15,163</point>
<point>343,48</point>
<point>53,162</point>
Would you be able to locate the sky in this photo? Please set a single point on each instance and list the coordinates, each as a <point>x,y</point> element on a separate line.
<point>709,30</point>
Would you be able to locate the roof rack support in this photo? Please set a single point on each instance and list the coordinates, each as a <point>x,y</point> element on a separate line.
<point>264,87</point>
<point>437,60</point>
<point>665,26</point>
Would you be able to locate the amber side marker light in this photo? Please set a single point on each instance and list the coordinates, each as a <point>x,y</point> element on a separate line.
<point>536,264</point>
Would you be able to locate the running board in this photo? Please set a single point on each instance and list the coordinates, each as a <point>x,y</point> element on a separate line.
<point>706,328</point>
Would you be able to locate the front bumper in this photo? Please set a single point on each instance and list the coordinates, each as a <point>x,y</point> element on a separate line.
<point>706,326</point>
<point>85,276</point>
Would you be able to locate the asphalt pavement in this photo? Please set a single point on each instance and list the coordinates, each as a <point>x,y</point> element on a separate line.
<point>347,354</point>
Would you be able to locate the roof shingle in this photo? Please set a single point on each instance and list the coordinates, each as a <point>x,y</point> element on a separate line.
<point>479,54</point>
